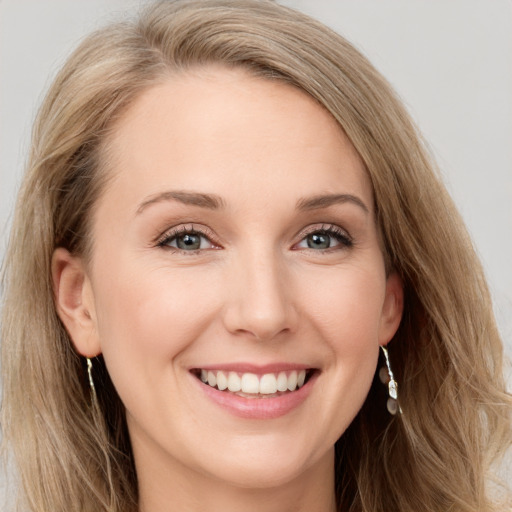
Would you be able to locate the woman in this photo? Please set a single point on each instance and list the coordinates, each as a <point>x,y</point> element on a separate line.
<point>227,214</point>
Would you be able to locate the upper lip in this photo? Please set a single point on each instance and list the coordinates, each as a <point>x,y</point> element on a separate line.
<point>242,367</point>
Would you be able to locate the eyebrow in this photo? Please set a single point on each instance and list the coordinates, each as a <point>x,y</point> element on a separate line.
<point>210,201</point>
<point>215,202</point>
<point>324,201</point>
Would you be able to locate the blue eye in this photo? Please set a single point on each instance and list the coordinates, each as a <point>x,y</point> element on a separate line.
<point>325,238</point>
<point>186,240</point>
<point>319,241</point>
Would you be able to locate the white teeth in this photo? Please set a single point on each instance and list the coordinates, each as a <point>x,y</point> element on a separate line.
<point>234,382</point>
<point>250,383</point>
<point>292,381</point>
<point>222,381</point>
<point>212,379</point>
<point>268,384</point>
<point>282,382</point>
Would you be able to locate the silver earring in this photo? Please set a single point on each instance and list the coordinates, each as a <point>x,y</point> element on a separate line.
<point>386,376</point>
<point>91,382</point>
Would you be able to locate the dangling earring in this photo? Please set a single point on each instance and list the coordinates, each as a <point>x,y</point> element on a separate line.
<point>91,382</point>
<point>386,377</point>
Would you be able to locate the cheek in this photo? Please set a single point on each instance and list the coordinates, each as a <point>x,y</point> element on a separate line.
<point>346,305</point>
<point>147,320</point>
<point>150,315</point>
<point>345,311</point>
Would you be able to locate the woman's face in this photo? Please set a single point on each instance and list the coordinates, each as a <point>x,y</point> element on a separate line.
<point>236,242</point>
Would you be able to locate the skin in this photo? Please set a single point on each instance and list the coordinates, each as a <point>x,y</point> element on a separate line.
<point>254,292</point>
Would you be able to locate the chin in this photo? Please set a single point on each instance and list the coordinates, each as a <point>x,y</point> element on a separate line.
<point>266,469</point>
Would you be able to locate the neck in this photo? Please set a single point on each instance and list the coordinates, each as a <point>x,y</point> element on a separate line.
<point>175,487</point>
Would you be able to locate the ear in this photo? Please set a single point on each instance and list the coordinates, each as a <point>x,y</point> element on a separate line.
<point>392,308</point>
<point>74,301</point>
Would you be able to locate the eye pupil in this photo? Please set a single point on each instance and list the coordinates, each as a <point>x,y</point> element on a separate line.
<point>189,241</point>
<point>319,241</point>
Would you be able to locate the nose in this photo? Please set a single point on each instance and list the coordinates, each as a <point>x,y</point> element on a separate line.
<point>260,301</point>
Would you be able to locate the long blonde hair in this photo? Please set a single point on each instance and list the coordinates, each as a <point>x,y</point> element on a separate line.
<point>446,355</point>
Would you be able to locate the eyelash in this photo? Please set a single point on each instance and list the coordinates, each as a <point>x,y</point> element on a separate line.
<point>339,234</point>
<point>173,233</point>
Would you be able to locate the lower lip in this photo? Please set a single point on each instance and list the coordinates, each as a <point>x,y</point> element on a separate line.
<point>259,408</point>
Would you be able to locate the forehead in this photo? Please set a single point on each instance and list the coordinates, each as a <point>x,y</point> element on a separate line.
<point>222,130</point>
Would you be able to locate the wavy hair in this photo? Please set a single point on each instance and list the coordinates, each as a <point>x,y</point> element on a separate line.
<point>72,456</point>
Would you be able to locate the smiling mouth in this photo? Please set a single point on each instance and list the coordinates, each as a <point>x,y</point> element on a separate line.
<point>251,385</point>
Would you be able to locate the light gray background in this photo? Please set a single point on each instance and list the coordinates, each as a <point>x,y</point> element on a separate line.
<point>450,61</point>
